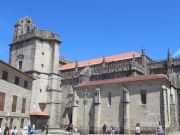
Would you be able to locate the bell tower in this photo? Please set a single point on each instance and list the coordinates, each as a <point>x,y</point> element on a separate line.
<point>36,52</point>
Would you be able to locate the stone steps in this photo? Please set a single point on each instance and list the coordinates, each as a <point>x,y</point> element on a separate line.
<point>55,132</point>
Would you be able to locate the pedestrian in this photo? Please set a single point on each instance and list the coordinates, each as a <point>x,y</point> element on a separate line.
<point>25,131</point>
<point>159,129</point>
<point>112,130</point>
<point>29,129</point>
<point>46,129</point>
<point>0,130</point>
<point>104,129</point>
<point>6,131</point>
<point>71,128</point>
<point>14,131</point>
<point>33,127</point>
<point>137,129</point>
<point>42,128</point>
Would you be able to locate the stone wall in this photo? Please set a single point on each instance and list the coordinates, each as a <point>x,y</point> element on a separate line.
<point>27,51</point>
<point>14,72</point>
<point>10,90</point>
<point>148,115</point>
<point>111,113</point>
<point>39,52</point>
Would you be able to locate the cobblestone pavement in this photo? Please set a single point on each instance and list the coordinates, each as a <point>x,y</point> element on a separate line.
<point>94,134</point>
<point>176,133</point>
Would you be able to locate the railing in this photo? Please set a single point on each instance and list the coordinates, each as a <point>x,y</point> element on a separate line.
<point>176,61</point>
<point>159,64</point>
<point>106,70</point>
<point>97,71</point>
<point>138,67</point>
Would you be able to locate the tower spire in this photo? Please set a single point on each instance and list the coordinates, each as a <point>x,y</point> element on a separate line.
<point>103,61</point>
<point>134,58</point>
<point>76,64</point>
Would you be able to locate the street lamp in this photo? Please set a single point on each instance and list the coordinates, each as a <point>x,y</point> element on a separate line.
<point>85,93</point>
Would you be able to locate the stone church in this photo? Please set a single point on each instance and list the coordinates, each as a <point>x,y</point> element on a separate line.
<point>119,90</point>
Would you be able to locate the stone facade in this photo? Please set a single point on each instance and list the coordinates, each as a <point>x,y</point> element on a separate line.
<point>57,95</point>
<point>124,108</point>
<point>112,67</point>
<point>14,114</point>
<point>38,53</point>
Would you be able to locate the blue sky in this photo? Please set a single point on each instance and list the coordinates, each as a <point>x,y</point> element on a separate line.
<point>95,28</point>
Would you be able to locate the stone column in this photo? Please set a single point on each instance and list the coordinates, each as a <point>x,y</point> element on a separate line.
<point>85,130</point>
<point>126,111</point>
<point>173,110</point>
<point>54,102</point>
<point>144,59</point>
<point>133,67</point>
<point>75,107</point>
<point>54,90</point>
<point>97,111</point>
<point>163,109</point>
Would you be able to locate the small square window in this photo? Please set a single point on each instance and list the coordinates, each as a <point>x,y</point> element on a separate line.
<point>16,80</point>
<point>42,65</point>
<point>5,75</point>
<point>20,64</point>
<point>25,84</point>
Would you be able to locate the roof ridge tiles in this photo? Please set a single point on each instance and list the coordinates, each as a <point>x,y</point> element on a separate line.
<point>123,80</point>
<point>95,61</point>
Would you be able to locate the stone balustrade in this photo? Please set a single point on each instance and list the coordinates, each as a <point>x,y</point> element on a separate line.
<point>42,34</point>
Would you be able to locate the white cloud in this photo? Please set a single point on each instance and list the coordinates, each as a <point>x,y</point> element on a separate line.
<point>177,53</point>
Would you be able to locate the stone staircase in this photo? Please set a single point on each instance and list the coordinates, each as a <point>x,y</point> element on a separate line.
<point>55,132</point>
<point>64,132</point>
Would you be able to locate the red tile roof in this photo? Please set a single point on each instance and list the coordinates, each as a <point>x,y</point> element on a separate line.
<point>40,114</point>
<point>99,60</point>
<point>123,80</point>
